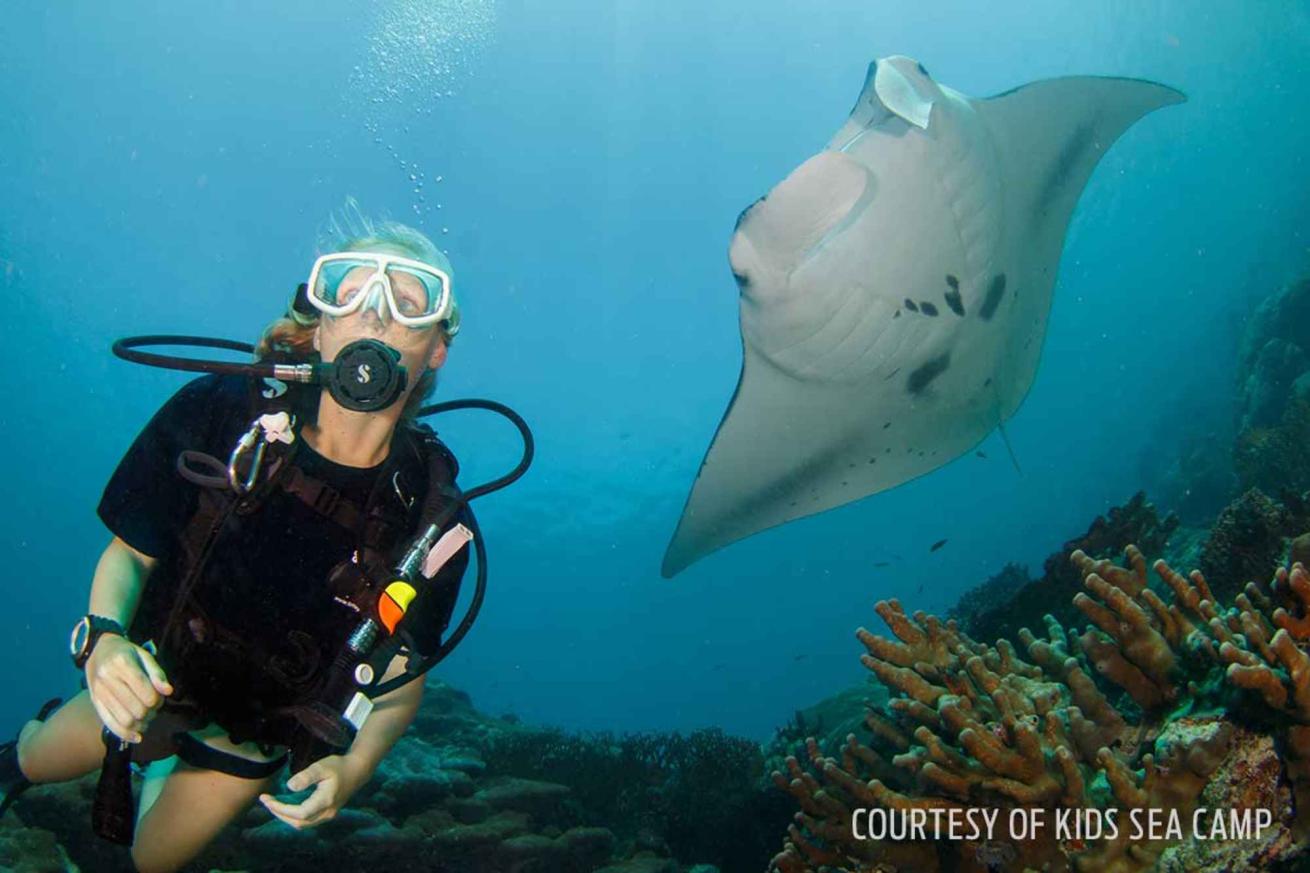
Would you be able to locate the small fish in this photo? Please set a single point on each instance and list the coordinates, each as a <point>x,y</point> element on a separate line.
<point>980,453</point>
<point>882,563</point>
<point>937,545</point>
<point>919,590</point>
<point>800,657</point>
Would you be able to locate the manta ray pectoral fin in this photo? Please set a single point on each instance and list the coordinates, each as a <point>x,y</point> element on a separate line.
<point>1052,133</point>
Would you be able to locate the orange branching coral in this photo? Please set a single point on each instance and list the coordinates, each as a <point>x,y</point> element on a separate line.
<point>1138,712</point>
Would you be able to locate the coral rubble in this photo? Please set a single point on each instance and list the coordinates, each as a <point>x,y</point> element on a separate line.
<point>1167,704</point>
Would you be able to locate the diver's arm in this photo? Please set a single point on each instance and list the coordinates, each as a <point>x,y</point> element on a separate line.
<point>391,715</point>
<point>124,680</point>
<point>336,777</point>
<point>119,580</point>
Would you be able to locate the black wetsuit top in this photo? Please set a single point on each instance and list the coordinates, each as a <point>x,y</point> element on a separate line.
<point>267,575</point>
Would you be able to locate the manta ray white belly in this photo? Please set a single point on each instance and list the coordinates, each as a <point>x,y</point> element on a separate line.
<point>894,293</point>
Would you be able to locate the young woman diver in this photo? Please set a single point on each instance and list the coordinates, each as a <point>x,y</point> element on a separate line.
<point>277,604</point>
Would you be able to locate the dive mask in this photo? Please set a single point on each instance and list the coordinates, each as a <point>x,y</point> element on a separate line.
<point>416,294</point>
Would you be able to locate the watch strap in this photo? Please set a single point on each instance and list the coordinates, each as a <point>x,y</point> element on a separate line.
<point>97,626</point>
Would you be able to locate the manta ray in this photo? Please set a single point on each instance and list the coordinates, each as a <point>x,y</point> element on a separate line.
<point>895,290</point>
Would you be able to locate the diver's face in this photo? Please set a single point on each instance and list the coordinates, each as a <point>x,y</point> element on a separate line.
<point>420,348</point>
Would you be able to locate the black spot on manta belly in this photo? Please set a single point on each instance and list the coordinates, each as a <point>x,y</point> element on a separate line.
<point>927,308</point>
<point>910,305</point>
<point>953,298</point>
<point>926,372</point>
<point>995,291</point>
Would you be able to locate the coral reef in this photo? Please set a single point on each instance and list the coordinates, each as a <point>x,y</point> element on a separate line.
<point>1166,701</point>
<point>998,614</point>
<point>983,604</point>
<point>1273,396</point>
<point>673,794</point>
<point>1274,359</point>
<point>31,850</point>
<point>1249,539</point>
<point>1274,457</point>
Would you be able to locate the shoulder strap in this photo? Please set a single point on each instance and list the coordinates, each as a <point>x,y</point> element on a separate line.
<point>426,441</point>
<point>322,498</point>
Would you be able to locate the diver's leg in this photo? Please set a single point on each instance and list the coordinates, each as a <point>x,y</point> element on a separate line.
<point>64,746</point>
<point>152,783</point>
<point>190,810</point>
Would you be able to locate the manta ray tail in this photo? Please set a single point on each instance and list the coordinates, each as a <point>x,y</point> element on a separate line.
<point>1009,448</point>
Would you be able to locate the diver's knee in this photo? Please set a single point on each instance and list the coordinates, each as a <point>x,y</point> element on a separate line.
<point>23,747</point>
<point>145,859</point>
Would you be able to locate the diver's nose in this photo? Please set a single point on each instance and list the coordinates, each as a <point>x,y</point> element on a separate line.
<point>376,299</point>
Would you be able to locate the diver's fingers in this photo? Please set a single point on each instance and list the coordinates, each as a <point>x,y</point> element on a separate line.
<point>132,673</point>
<point>311,775</point>
<point>296,814</point>
<point>109,718</point>
<point>318,802</point>
<point>278,808</point>
<point>123,702</point>
<point>154,671</point>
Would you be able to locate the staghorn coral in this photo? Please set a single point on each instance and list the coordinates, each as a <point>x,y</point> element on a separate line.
<point>1165,701</point>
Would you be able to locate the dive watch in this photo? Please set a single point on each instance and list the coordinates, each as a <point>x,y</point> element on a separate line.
<point>86,633</point>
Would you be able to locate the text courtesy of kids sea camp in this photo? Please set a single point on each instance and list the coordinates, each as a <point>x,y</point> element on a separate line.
<point>988,823</point>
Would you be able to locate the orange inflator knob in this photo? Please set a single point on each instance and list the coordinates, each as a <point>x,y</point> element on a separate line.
<point>394,602</point>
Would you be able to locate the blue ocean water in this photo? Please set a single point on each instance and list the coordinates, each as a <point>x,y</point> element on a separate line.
<point>166,168</point>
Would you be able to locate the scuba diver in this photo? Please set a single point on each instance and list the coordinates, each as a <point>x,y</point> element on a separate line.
<point>285,560</point>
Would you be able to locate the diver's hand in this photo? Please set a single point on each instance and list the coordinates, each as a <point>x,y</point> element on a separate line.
<point>334,779</point>
<point>125,683</point>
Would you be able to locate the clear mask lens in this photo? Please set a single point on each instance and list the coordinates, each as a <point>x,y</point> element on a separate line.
<point>413,294</point>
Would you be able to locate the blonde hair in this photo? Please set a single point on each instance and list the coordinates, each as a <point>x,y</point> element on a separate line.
<point>291,337</point>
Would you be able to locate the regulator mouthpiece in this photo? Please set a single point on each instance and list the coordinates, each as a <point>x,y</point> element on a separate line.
<point>365,376</point>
